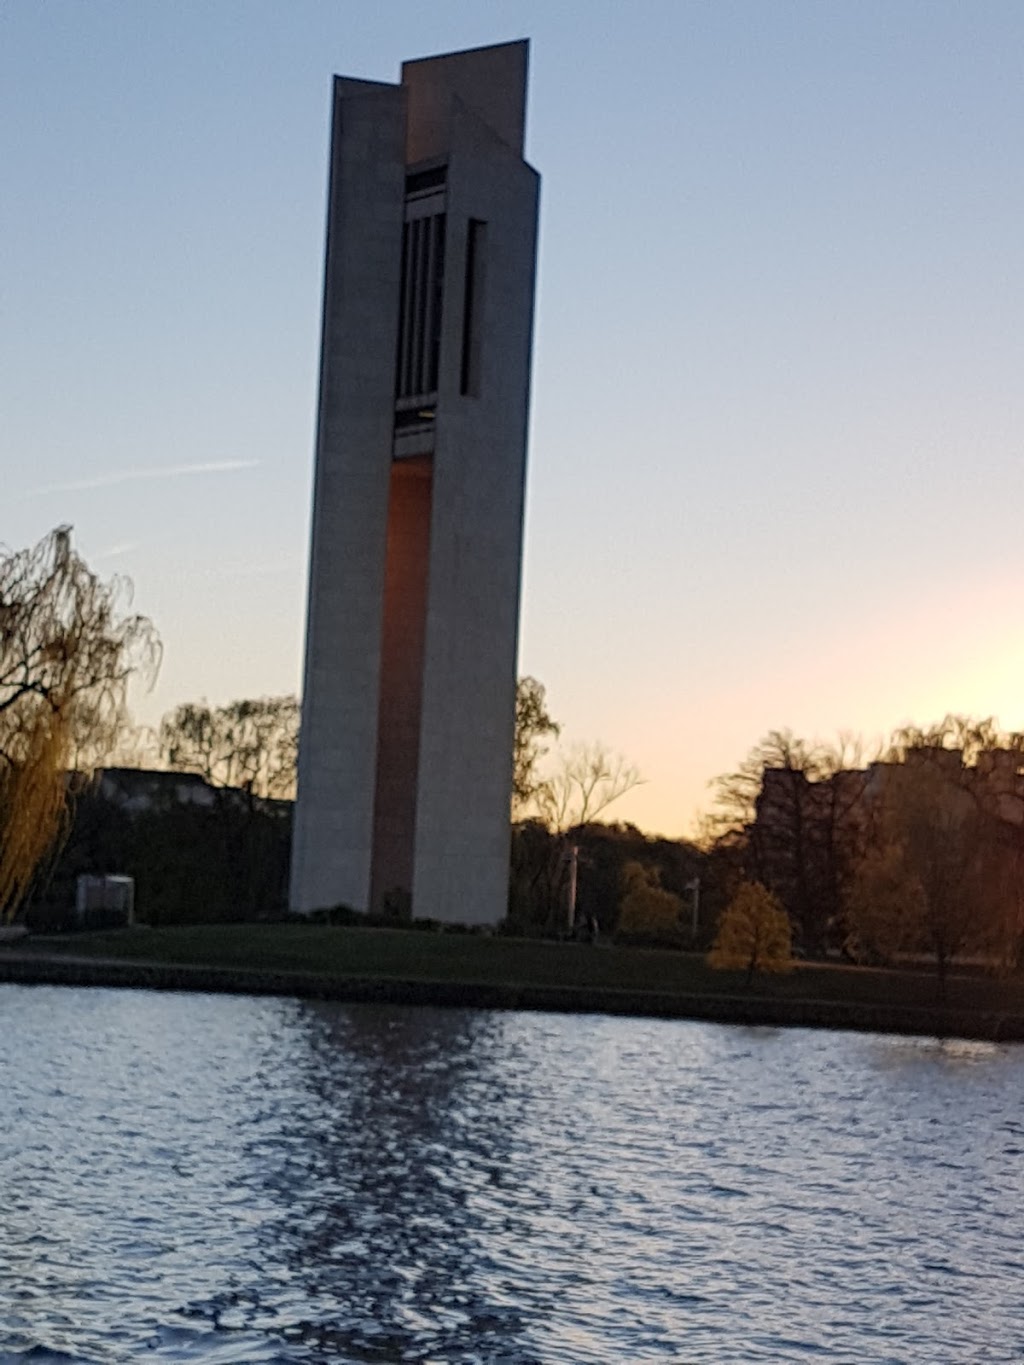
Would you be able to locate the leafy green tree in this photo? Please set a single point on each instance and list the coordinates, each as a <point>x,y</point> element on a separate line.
<point>68,647</point>
<point>753,934</point>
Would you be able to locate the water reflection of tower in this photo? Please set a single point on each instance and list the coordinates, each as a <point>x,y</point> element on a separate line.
<point>408,706</point>
<point>389,1166</point>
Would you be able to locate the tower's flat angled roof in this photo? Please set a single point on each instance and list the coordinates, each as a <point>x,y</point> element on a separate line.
<point>490,81</point>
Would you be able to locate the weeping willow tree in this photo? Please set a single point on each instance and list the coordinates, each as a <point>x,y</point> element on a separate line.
<point>68,646</point>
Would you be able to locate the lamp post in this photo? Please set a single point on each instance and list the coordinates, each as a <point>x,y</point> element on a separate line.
<point>574,862</point>
<point>693,886</point>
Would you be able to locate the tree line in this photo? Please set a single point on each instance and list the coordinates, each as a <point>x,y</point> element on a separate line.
<point>914,849</point>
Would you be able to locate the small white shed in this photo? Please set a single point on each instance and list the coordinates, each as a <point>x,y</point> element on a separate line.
<point>105,900</point>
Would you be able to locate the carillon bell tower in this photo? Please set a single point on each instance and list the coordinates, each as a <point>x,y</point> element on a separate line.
<point>409,695</point>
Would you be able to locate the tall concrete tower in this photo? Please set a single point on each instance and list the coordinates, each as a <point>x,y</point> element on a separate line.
<point>409,697</point>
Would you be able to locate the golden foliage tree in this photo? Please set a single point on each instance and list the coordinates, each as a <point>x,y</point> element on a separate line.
<point>68,647</point>
<point>753,934</point>
<point>647,911</point>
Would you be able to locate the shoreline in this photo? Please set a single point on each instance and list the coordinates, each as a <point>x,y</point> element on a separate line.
<point>19,967</point>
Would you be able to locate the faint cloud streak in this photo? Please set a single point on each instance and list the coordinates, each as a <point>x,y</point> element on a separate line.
<point>174,471</point>
<point>124,548</point>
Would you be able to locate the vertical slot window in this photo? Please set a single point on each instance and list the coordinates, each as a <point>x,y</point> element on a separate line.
<point>419,329</point>
<point>473,307</point>
<point>405,320</point>
<point>437,293</point>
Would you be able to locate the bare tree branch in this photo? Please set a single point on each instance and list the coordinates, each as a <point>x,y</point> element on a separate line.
<point>586,781</point>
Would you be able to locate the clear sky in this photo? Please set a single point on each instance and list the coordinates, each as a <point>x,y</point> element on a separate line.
<point>775,464</point>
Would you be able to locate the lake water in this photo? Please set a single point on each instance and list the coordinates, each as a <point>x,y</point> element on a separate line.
<point>228,1179</point>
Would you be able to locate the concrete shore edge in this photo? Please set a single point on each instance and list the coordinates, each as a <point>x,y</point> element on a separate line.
<point>25,969</point>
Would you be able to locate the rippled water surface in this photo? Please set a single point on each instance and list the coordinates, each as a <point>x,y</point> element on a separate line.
<point>224,1179</point>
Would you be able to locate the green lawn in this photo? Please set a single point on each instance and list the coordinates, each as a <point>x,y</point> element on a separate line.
<point>408,955</point>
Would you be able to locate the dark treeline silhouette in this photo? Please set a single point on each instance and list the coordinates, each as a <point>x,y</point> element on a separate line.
<point>912,852</point>
<point>197,853</point>
<point>616,862</point>
<point>916,851</point>
<point>206,836</point>
<point>205,854</point>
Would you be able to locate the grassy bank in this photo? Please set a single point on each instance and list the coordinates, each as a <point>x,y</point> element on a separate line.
<point>461,968</point>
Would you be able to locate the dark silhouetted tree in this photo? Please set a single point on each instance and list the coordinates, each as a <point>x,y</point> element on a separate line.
<point>534,726</point>
<point>250,745</point>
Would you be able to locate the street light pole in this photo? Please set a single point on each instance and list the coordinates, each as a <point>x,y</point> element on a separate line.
<point>693,886</point>
<point>574,858</point>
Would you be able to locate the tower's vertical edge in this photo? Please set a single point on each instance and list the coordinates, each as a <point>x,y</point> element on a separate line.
<point>331,848</point>
<point>468,702</point>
